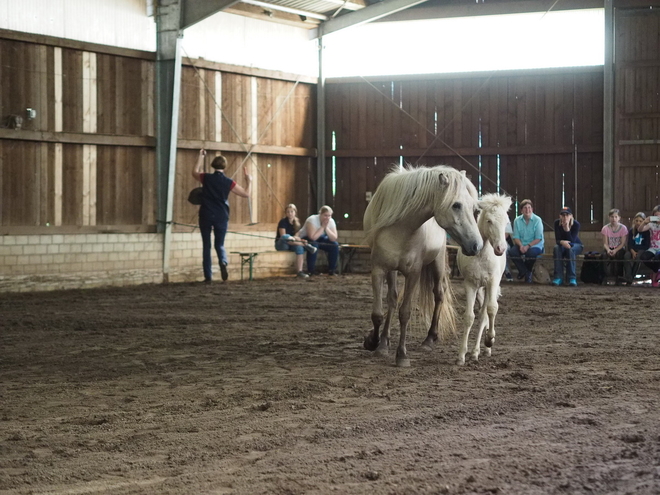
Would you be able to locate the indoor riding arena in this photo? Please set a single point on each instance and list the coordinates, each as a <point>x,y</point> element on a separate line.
<point>124,371</point>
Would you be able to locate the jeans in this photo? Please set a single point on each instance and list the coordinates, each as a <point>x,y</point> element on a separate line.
<point>524,262</point>
<point>220,231</point>
<point>330,247</point>
<point>282,244</point>
<point>566,256</point>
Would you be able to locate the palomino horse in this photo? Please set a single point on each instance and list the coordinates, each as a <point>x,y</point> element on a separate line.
<point>404,224</point>
<point>482,273</point>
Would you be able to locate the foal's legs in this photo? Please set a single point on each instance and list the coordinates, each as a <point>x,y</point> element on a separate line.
<point>468,320</point>
<point>483,298</point>
<point>412,281</point>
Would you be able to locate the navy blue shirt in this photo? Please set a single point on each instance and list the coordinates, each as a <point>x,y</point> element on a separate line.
<point>639,242</point>
<point>215,197</point>
<point>570,236</point>
<point>288,228</point>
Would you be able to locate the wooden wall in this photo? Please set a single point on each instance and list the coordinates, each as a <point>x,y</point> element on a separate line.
<point>532,134</point>
<point>87,161</point>
<point>637,111</point>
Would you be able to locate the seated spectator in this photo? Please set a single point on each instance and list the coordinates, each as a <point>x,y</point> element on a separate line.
<point>286,239</point>
<point>527,239</point>
<point>615,235</point>
<point>321,232</point>
<point>651,257</point>
<point>568,247</point>
<point>638,242</point>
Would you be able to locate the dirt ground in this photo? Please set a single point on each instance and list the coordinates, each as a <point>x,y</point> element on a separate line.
<point>264,387</point>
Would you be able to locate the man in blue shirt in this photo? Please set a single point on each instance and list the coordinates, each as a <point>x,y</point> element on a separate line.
<point>527,240</point>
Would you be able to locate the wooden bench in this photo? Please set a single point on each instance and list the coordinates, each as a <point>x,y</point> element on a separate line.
<point>247,257</point>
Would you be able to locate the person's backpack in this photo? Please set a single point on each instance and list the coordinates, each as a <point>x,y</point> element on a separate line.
<point>593,271</point>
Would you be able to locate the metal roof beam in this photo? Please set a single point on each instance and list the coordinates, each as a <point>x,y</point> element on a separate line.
<point>371,13</point>
<point>197,10</point>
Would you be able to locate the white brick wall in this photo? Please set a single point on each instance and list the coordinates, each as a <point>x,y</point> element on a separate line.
<point>63,261</point>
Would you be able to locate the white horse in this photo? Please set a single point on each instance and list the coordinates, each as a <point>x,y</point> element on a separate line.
<point>482,273</point>
<point>404,224</point>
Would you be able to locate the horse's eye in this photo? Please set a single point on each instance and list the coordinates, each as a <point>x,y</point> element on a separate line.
<point>456,206</point>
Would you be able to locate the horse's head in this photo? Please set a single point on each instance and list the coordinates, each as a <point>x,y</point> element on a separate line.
<point>492,221</point>
<point>456,210</point>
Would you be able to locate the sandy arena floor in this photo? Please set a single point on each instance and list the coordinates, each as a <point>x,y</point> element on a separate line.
<point>264,387</point>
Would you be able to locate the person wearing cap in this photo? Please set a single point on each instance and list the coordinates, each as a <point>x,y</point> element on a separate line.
<point>527,240</point>
<point>568,247</point>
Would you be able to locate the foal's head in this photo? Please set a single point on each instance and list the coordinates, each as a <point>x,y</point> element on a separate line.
<point>492,220</point>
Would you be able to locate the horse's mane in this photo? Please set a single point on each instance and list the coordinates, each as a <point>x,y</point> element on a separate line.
<point>407,190</point>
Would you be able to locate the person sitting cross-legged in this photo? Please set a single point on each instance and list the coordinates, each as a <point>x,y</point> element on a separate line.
<point>527,240</point>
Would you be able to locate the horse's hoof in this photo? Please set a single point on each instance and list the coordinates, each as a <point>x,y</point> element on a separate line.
<point>382,351</point>
<point>488,351</point>
<point>370,344</point>
<point>428,345</point>
<point>403,363</point>
<point>488,342</point>
<point>460,362</point>
<point>475,358</point>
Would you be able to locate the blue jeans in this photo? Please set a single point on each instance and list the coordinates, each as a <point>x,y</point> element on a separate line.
<point>566,256</point>
<point>206,225</point>
<point>282,244</point>
<point>524,262</point>
<point>330,247</point>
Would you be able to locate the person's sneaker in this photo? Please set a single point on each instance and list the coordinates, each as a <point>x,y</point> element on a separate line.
<point>208,280</point>
<point>302,275</point>
<point>311,249</point>
<point>508,276</point>
<point>332,273</point>
<point>557,282</point>
<point>520,276</point>
<point>223,272</point>
<point>572,282</point>
<point>528,277</point>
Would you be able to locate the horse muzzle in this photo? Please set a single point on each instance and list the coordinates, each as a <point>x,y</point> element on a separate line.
<point>473,248</point>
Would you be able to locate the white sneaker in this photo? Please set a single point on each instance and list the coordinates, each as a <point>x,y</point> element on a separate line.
<point>310,248</point>
<point>302,275</point>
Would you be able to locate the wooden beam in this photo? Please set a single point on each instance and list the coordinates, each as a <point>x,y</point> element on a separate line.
<point>195,144</point>
<point>75,45</point>
<point>77,138</point>
<point>73,229</point>
<point>437,152</point>
<point>198,10</point>
<point>248,71</point>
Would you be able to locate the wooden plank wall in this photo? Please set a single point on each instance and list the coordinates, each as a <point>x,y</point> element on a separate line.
<point>637,111</point>
<point>530,134</point>
<point>87,161</point>
<point>243,117</point>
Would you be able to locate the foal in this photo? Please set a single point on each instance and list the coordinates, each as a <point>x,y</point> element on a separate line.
<point>482,273</point>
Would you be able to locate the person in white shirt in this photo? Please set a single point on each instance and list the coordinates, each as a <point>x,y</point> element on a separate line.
<point>321,231</point>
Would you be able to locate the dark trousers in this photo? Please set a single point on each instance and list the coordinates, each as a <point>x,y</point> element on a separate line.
<point>614,264</point>
<point>524,262</point>
<point>219,228</point>
<point>330,247</point>
<point>651,260</point>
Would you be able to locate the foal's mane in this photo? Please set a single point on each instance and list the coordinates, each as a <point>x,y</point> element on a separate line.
<point>493,201</point>
<point>408,190</point>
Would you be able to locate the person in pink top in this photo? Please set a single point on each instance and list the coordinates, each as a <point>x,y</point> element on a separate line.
<point>615,236</point>
<point>651,257</point>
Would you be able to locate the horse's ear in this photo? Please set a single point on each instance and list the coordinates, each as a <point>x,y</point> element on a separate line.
<point>444,180</point>
<point>464,173</point>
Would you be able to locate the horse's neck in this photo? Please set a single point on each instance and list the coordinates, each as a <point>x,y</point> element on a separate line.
<point>416,219</point>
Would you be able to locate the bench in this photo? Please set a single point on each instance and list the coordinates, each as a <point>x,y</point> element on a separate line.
<point>247,257</point>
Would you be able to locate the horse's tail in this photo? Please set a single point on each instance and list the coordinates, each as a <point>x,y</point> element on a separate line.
<point>447,316</point>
